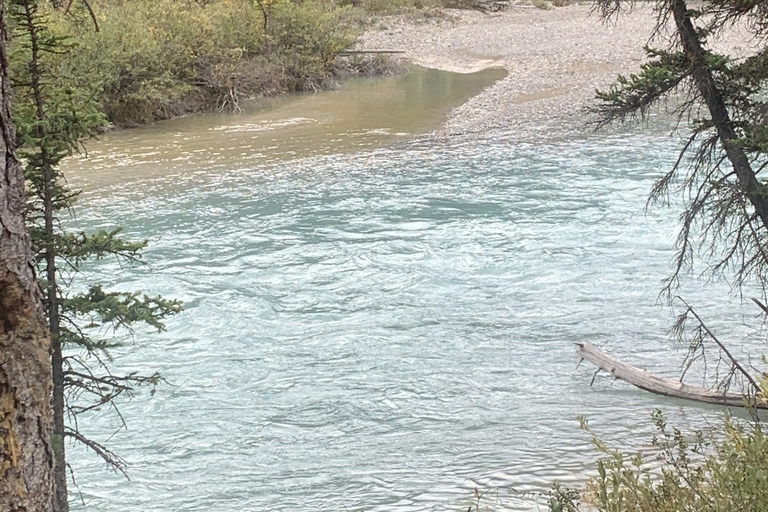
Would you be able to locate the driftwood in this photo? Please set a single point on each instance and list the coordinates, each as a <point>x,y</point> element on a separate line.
<point>662,385</point>
<point>364,52</point>
<point>491,5</point>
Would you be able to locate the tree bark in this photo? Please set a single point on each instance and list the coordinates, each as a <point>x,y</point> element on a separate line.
<point>26,460</point>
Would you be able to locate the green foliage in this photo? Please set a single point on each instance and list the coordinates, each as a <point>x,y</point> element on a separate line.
<point>634,95</point>
<point>154,59</point>
<point>563,499</point>
<point>80,247</point>
<point>304,40</point>
<point>54,113</point>
<point>120,309</point>
<point>50,118</point>
<point>686,475</point>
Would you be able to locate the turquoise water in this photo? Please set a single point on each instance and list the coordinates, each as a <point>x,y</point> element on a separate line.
<point>387,330</point>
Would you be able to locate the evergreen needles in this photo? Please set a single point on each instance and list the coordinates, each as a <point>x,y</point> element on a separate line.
<point>52,118</point>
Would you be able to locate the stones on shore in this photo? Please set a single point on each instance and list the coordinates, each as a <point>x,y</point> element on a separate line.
<point>555,58</point>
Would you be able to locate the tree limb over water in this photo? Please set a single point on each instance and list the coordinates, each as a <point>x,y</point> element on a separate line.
<point>719,103</point>
<point>662,385</point>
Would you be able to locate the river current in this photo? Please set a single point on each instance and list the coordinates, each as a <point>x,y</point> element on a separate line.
<point>390,328</point>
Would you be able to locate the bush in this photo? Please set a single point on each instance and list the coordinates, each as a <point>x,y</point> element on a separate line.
<point>689,475</point>
<point>304,40</point>
<point>154,59</point>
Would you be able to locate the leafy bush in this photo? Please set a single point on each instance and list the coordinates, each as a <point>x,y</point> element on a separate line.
<point>688,475</point>
<point>154,59</point>
<point>304,40</point>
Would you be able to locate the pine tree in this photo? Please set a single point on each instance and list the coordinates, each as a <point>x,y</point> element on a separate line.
<point>724,100</point>
<point>53,117</point>
<point>721,102</point>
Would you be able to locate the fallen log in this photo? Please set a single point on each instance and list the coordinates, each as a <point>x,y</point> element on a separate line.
<point>662,385</point>
<point>366,52</point>
<point>491,5</point>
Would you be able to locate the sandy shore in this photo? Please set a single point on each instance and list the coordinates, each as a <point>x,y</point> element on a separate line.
<point>556,59</point>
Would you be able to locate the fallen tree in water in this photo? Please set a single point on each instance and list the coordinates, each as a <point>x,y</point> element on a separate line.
<point>662,385</point>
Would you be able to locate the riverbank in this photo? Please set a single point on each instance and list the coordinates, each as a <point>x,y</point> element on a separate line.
<point>151,60</point>
<point>556,58</point>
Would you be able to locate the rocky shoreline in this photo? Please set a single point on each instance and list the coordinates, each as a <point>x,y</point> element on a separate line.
<point>555,58</point>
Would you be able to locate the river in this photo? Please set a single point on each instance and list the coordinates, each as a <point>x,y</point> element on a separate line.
<point>377,321</point>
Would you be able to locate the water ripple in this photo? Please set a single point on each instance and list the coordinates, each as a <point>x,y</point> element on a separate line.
<point>388,330</point>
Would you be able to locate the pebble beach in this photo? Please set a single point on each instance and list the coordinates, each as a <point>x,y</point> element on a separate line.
<point>556,58</point>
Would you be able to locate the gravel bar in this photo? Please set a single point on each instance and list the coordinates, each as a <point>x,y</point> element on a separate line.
<point>556,59</point>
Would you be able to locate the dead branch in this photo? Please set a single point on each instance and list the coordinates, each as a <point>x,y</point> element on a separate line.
<point>662,385</point>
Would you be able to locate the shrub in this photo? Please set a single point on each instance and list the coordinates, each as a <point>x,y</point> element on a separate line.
<point>154,59</point>
<point>304,40</point>
<point>688,475</point>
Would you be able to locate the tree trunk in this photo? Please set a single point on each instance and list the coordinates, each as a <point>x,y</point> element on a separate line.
<point>713,98</point>
<point>26,483</point>
<point>61,503</point>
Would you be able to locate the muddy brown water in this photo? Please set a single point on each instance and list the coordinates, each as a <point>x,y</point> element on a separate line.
<point>361,114</point>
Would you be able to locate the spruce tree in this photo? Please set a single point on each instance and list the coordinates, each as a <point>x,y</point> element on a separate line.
<point>720,101</point>
<point>53,117</point>
<point>720,104</point>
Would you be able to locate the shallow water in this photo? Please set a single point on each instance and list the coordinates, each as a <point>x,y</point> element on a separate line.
<point>362,114</point>
<point>386,329</point>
